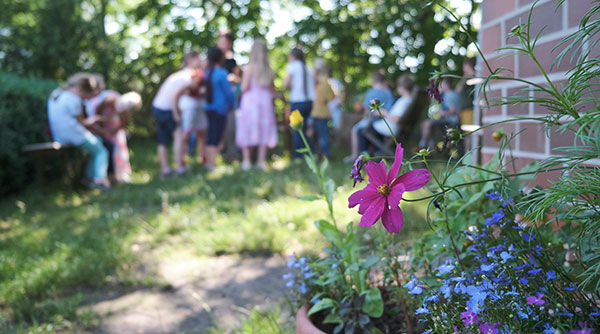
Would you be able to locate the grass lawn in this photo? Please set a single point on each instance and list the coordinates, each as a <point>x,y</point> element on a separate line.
<point>56,245</point>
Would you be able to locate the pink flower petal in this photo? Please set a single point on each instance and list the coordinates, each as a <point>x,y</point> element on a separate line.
<point>395,195</point>
<point>363,198</point>
<point>414,179</point>
<point>396,165</point>
<point>392,219</point>
<point>359,196</point>
<point>373,212</point>
<point>377,173</point>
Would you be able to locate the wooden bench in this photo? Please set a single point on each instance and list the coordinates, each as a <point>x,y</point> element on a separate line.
<point>39,151</point>
<point>39,148</point>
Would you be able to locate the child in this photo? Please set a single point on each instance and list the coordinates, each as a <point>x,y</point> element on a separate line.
<point>405,86</point>
<point>301,84</point>
<point>68,124</point>
<point>256,125</point>
<point>114,110</point>
<point>193,119</point>
<point>219,101</point>
<point>379,91</point>
<point>321,115</point>
<point>166,111</point>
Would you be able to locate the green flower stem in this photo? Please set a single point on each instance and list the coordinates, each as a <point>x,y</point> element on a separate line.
<point>319,176</point>
<point>481,181</point>
<point>386,123</point>
<point>446,220</point>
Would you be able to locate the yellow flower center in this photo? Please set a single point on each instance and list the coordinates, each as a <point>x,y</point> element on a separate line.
<point>384,189</point>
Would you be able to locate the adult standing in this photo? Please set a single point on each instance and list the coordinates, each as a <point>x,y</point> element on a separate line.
<point>301,84</point>
<point>257,124</point>
<point>219,102</point>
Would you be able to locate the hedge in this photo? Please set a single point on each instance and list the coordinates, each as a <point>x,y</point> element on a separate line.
<point>23,120</point>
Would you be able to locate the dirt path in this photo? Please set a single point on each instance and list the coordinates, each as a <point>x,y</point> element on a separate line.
<point>206,292</point>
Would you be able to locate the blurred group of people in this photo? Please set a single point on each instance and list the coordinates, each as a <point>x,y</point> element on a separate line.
<point>210,93</point>
<point>84,113</point>
<point>195,105</point>
<point>200,99</point>
<point>456,107</point>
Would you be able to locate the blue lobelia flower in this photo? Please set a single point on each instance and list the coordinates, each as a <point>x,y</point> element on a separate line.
<point>446,290</point>
<point>571,287</point>
<point>413,287</point>
<point>445,268</point>
<point>494,195</point>
<point>524,280</point>
<point>550,275</point>
<point>422,310</point>
<point>548,329</point>
<point>487,267</point>
<point>534,271</point>
<point>505,256</point>
<point>495,218</point>
<point>528,237</point>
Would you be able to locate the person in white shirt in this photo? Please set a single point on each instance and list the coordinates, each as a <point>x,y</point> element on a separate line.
<point>405,86</point>
<point>301,85</point>
<point>165,108</point>
<point>68,124</point>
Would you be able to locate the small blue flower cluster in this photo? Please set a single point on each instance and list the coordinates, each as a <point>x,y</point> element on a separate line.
<point>506,288</point>
<point>301,273</point>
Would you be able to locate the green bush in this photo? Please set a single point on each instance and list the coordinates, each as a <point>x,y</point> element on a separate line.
<point>23,121</point>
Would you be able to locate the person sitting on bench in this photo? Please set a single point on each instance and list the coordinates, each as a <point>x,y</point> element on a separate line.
<point>68,124</point>
<point>379,91</point>
<point>404,87</point>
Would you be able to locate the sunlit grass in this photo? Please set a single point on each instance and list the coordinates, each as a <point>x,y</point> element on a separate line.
<point>56,244</point>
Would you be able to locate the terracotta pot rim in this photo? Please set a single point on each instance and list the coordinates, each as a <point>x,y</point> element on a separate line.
<point>303,323</point>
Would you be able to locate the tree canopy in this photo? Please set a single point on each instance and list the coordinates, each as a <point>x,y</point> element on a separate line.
<point>136,44</point>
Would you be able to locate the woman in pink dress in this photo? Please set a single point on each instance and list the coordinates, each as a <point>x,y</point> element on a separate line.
<point>256,124</point>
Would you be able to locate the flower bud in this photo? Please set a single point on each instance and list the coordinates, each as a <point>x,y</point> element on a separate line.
<point>453,135</point>
<point>375,104</point>
<point>296,120</point>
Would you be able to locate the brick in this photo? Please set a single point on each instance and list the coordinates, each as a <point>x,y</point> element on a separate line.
<point>545,53</point>
<point>576,11</point>
<point>509,128</point>
<point>545,16</point>
<point>541,179</point>
<point>491,39</point>
<point>520,108</point>
<point>492,9</point>
<point>560,139</point>
<point>500,62</point>
<point>532,137</point>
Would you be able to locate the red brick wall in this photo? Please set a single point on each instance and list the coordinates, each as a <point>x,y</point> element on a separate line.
<point>498,18</point>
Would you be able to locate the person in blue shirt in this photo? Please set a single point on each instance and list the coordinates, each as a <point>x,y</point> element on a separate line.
<point>450,114</point>
<point>219,101</point>
<point>381,91</point>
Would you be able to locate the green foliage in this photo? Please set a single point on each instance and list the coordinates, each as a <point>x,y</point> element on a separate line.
<point>381,35</point>
<point>574,109</point>
<point>23,121</point>
<point>259,322</point>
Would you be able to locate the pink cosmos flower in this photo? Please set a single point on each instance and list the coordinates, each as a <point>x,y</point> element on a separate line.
<point>381,197</point>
